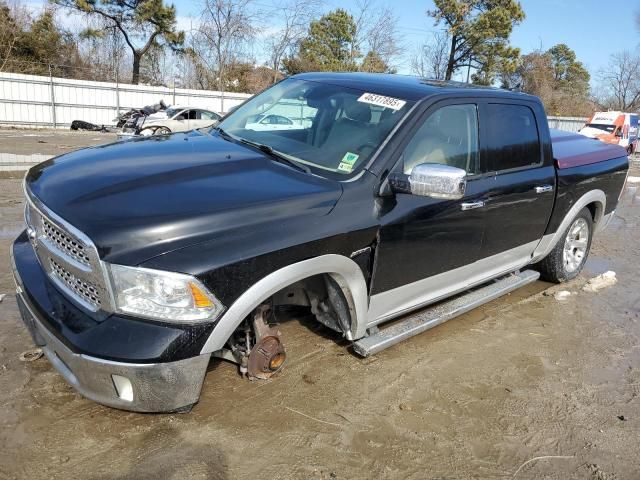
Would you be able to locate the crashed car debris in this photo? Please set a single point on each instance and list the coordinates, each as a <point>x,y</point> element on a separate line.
<point>144,259</point>
<point>159,119</point>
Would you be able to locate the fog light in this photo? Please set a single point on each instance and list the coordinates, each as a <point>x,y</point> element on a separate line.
<point>123,387</point>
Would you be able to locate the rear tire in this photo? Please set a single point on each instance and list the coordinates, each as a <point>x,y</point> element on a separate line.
<point>568,257</point>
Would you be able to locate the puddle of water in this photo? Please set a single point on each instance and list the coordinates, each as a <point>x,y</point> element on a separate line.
<point>597,265</point>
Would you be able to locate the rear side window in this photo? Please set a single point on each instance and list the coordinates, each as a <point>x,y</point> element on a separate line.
<point>512,137</point>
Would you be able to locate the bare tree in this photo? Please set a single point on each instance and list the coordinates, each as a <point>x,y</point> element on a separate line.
<point>105,46</point>
<point>14,18</point>
<point>295,16</point>
<point>382,36</point>
<point>432,57</point>
<point>143,24</point>
<point>223,36</point>
<point>376,32</point>
<point>620,82</point>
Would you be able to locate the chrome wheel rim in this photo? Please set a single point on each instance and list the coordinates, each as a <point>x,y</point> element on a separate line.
<point>575,245</point>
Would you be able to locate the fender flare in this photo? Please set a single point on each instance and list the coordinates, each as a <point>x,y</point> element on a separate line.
<point>549,241</point>
<point>343,269</point>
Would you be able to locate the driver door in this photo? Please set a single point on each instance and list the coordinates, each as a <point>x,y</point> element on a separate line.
<point>202,119</point>
<point>428,246</point>
<point>179,122</point>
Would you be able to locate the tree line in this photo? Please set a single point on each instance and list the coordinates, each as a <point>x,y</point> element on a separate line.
<point>139,41</point>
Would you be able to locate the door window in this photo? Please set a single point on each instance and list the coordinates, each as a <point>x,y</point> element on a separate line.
<point>512,137</point>
<point>208,115</point>
<point>449,136</point>
<point>189,114</point>
<point>284,121</point>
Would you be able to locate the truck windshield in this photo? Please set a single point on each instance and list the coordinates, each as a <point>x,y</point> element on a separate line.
<point>332,129</point>
<point>602,126</point>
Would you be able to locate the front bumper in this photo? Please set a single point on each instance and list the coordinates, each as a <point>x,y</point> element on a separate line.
<point>141,387</point>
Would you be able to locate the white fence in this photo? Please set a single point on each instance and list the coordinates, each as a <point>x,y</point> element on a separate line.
<point>569,124</point>
<point>35,101</point>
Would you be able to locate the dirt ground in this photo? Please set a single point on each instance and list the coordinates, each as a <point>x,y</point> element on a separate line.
<point>49,142</point>
<point>525,387</point>
<point>21,149</point>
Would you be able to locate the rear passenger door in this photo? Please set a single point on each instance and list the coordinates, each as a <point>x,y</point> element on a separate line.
<point>518,206</point>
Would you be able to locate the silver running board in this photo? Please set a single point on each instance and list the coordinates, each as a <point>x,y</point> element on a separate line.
<point>441,312</point>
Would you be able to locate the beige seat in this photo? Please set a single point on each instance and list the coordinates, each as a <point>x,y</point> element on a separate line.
<point>440,140</point>
<point>353,130</point>
<point>431,148</point>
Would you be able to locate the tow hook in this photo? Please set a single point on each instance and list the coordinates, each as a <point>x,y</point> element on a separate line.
<point>267,355</point>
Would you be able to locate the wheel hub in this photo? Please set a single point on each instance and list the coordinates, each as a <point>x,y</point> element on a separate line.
<point>267,355</point>
<point>575,245</point>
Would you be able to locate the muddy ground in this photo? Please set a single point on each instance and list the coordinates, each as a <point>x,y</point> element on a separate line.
<point>50,142</point>
<point>526,387</point>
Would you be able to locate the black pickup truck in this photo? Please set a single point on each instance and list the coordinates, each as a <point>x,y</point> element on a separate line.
<point>379,195</point>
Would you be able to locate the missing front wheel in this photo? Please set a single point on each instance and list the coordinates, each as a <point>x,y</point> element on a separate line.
<point>257,346</point>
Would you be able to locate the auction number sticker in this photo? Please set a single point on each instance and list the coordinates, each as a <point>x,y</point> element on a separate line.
<point>382,101</point>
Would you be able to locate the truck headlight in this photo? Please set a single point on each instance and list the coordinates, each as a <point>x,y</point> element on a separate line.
<point>160,295</point>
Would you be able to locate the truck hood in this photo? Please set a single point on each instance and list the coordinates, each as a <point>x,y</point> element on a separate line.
<point>145,197</point>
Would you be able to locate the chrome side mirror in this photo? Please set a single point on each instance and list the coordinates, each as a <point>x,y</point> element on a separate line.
<point>432,180</point>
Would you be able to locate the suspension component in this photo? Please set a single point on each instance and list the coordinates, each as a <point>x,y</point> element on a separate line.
<point>268,354</point>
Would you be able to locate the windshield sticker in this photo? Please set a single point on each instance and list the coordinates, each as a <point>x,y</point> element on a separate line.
<point>349,158</point>
<point>345,167</point>
<point>382,101</point>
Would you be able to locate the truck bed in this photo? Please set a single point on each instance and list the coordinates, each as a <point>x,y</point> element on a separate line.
<point>573,150</point>
<point>583,164</point>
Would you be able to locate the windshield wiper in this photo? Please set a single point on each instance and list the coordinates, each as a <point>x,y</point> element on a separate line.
<point>223,134</point>
<point>277,156</point>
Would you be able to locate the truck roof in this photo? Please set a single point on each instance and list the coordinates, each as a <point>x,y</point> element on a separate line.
<point>405,86</point>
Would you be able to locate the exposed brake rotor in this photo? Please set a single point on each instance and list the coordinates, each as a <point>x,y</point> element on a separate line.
<point>267,355</point>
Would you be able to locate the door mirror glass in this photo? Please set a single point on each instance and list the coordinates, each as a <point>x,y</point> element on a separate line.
<point>179,118</point>
<point>437,181</point>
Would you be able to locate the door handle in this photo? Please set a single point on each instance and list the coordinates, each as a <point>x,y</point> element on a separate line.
<point>544,189</point>
<point>472,205</point>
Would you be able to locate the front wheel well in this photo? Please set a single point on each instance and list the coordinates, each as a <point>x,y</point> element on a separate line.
<point>596,210</point>
<point>343,270</point>
<point>325,296</point>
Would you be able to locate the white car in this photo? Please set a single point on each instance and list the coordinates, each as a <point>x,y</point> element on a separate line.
<point>272,122</point>
<point>178,119</point>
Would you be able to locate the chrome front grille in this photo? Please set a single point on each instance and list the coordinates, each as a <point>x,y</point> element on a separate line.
<point>65,242</point>
<point>84,289</point>
<point>69,258</point>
